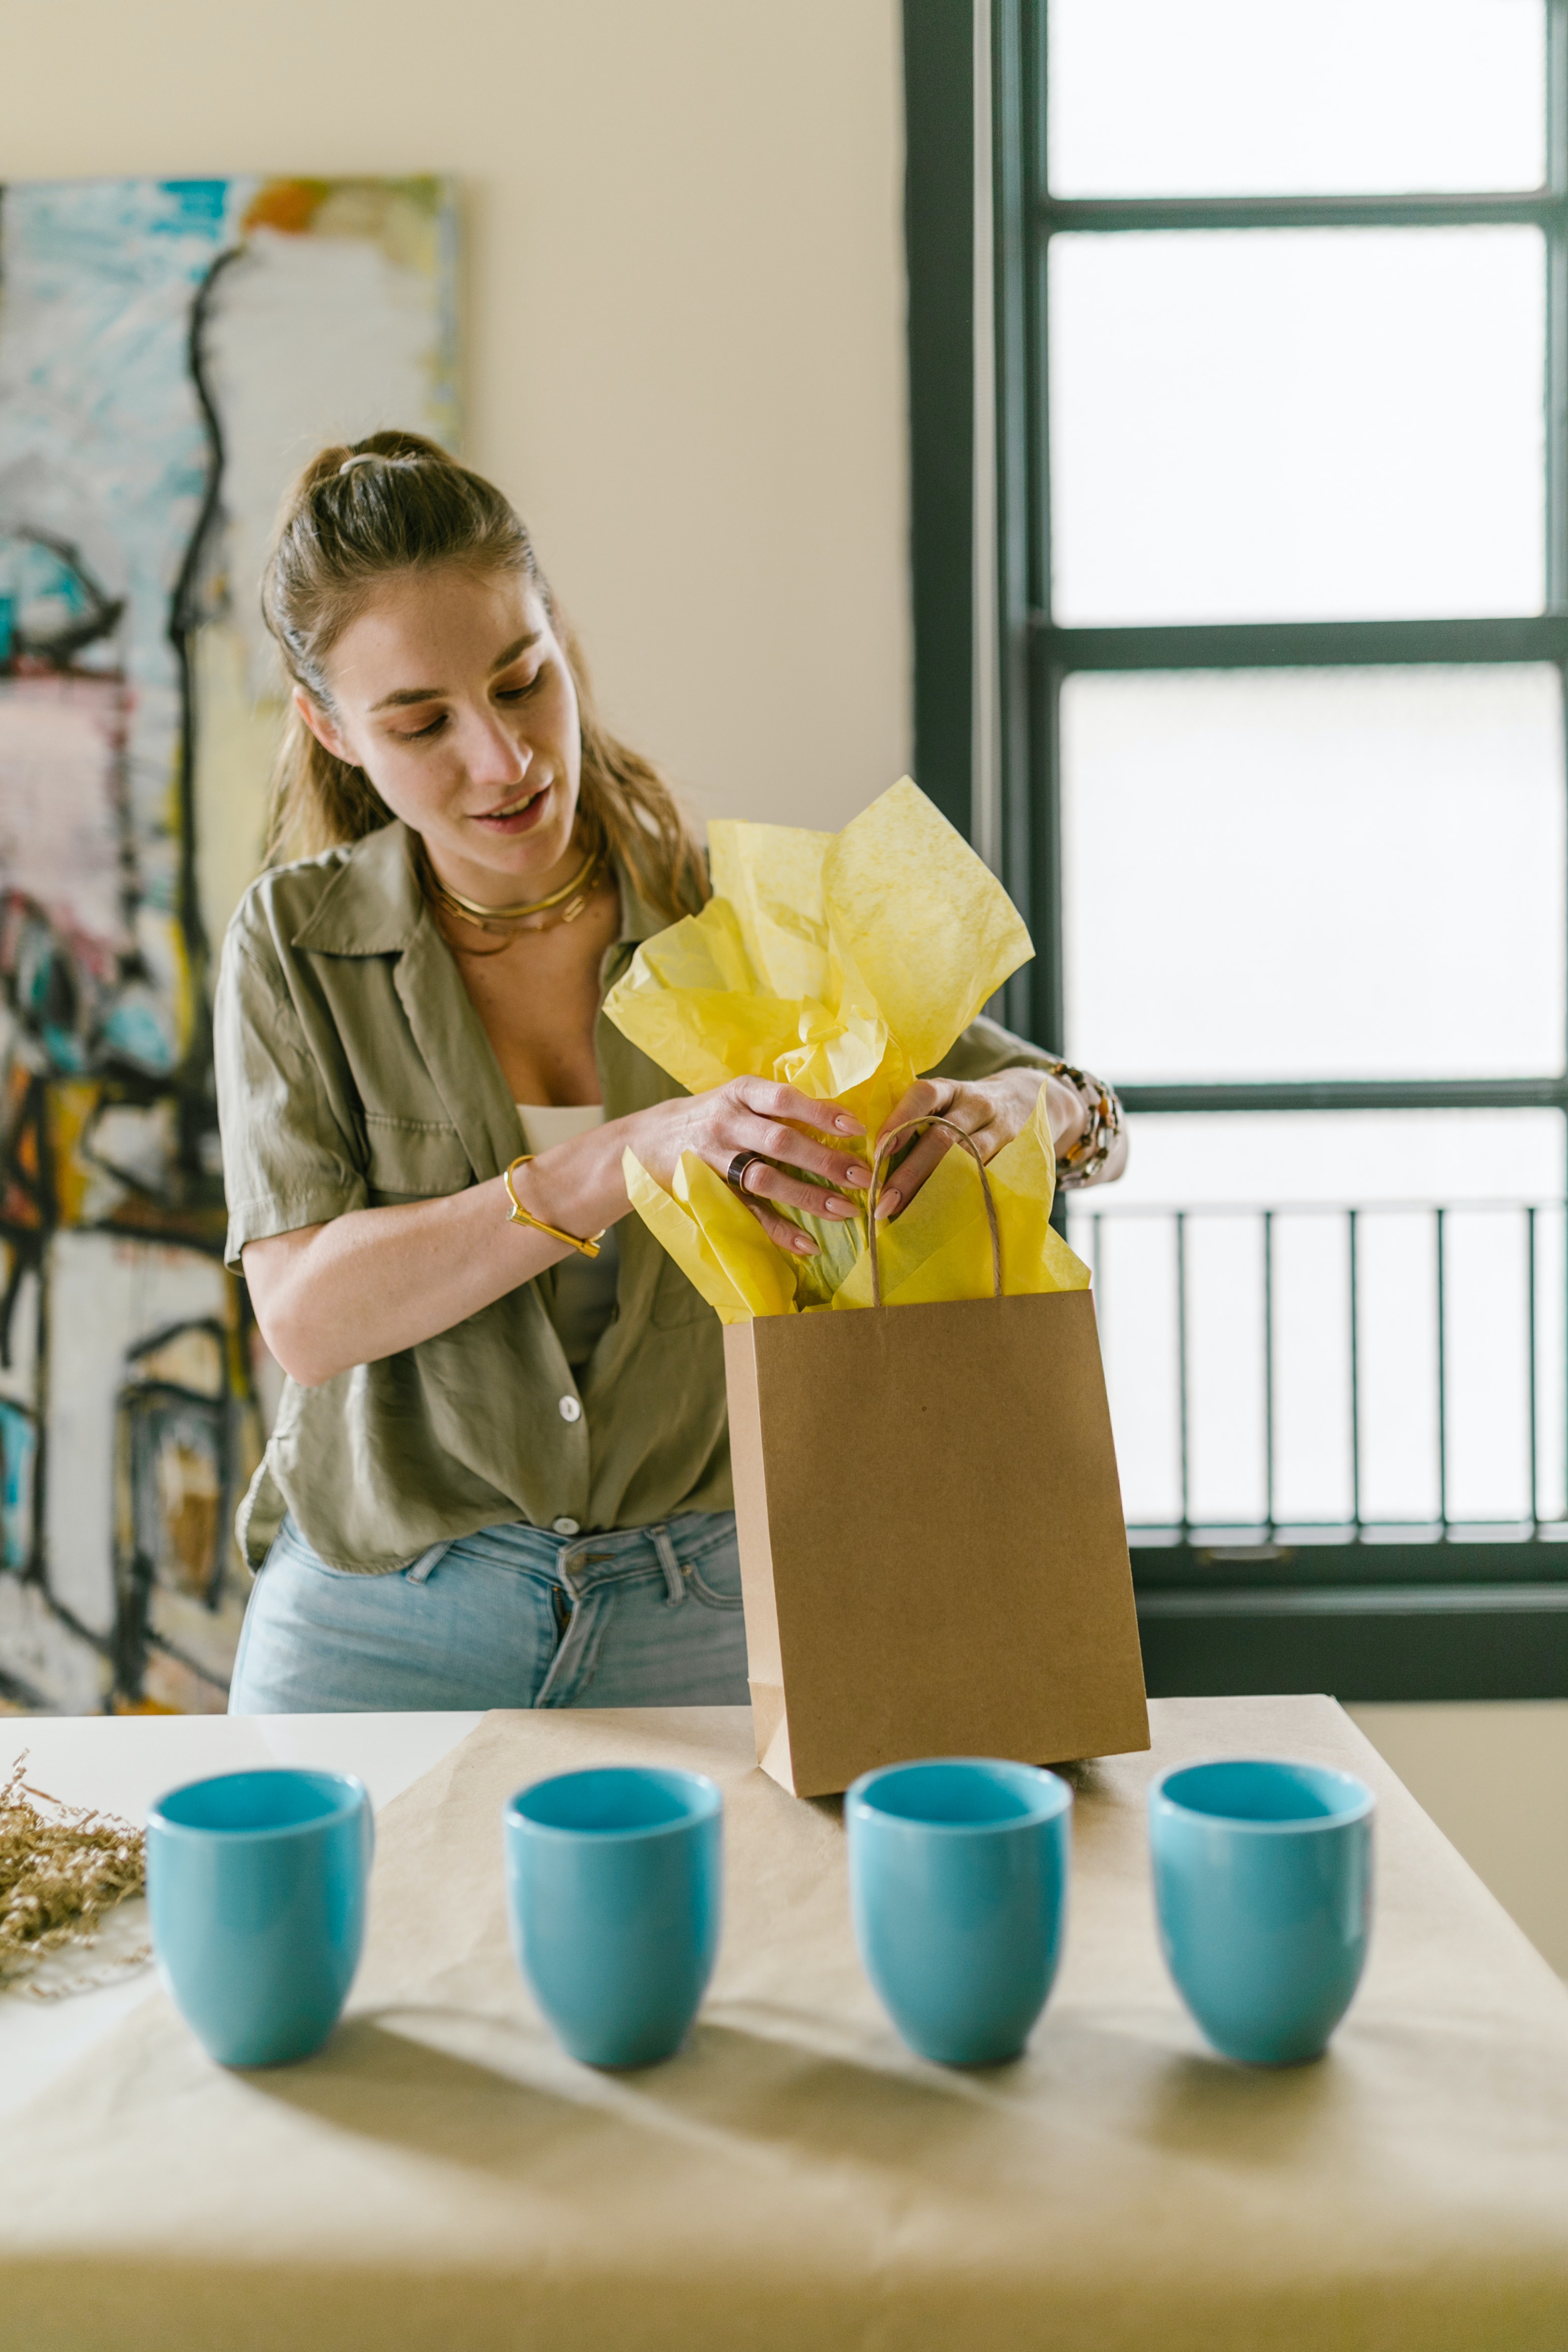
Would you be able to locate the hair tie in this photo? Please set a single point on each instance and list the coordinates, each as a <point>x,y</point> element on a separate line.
<point>379,457</point>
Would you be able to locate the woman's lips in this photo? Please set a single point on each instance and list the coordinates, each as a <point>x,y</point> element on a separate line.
<point>521,818</point>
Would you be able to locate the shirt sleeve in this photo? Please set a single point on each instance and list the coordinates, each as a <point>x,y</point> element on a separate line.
<point>288,1160</point>
<point>985,1048</point>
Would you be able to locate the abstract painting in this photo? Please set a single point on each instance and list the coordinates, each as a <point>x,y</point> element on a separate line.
<point>171,352</point>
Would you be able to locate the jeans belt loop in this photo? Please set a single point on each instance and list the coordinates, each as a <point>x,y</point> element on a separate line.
<point>418,1571</point>
<point>674,1582</point>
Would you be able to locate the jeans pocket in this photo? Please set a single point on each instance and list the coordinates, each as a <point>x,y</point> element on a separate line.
<point>308,1560</point>
<point>713,1573</point>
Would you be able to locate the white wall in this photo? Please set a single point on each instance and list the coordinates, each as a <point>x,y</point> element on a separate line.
<point>1494,1778</point>
<point>685,313</point>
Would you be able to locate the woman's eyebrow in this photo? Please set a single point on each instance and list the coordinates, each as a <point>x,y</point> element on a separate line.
<point>503,660</point>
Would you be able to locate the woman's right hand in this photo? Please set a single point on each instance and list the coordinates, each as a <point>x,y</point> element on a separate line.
<point>786,1129</point>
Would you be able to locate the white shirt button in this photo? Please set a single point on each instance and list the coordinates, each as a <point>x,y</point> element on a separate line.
<point>570,1408</point>
<point>563,1526</point>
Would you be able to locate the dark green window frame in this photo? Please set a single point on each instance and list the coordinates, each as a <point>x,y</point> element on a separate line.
<point>1454,1619</point>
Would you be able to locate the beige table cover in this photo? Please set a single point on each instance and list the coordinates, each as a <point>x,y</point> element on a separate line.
<point>442,2176</point>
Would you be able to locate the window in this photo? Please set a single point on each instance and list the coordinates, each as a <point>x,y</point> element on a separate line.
<point>1281,474</point>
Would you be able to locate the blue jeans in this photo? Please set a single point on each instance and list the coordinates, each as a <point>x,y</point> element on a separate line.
<point>514,1616</point>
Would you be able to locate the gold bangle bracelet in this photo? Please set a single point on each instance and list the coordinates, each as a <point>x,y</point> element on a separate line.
<point>519,1215</point>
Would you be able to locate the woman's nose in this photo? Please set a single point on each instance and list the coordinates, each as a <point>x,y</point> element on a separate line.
<point>492,754</point>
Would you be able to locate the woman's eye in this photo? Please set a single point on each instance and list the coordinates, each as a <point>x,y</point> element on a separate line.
<point>518,693</point>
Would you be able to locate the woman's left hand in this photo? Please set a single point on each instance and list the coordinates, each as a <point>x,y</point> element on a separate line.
<point>991,1111</point>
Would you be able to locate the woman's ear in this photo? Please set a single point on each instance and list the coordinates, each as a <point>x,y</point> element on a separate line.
<point>321,728</point>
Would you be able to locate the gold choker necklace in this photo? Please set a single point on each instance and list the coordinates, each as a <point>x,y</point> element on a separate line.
<point>577,892</point>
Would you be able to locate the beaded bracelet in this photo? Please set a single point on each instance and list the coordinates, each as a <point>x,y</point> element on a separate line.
<point>1087,1158</point>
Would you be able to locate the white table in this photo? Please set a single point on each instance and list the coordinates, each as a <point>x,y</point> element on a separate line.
<point>441,2176</point>
<point>120,1764</point>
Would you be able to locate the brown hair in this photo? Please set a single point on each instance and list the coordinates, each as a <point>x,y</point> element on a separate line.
<point>411,507</point>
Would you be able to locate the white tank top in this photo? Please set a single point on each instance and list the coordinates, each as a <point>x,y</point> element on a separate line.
<point>544,1125</point>
<point>580,1292</point>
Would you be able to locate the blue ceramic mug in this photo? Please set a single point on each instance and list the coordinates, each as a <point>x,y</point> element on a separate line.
<point>256,1884</point>
<point>1263,1891</point>
<point>958,1883</point>
<point>615,1888</point>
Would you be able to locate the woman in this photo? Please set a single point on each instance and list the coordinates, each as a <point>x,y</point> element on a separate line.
<point>499,1473</point>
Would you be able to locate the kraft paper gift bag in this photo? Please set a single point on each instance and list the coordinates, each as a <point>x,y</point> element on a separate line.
<point>932,1551</point>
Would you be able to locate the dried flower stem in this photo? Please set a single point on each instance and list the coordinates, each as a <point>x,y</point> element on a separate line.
<point>63,1868</point>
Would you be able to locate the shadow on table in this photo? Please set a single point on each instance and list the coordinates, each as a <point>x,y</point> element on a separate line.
<point>1259,2117</point>
<point>517,2108</point>
<point>400,2089</point>
<point>494,2094</point>
<point>1077,2074</point>
<point>785,2089</point>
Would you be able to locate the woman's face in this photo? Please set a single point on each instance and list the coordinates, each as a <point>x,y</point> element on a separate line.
<point>451,691</point>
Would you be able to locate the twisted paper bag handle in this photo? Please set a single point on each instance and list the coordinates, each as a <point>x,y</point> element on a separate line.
<point>878,1172</point>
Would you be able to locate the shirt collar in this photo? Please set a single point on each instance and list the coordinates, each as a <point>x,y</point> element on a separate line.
<point>638,920</point>
<point>372,905</point>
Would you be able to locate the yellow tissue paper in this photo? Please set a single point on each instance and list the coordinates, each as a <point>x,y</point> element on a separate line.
<point>845,964</point>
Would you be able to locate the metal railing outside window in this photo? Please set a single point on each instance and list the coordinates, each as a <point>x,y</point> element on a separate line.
<point>1474,1449</point>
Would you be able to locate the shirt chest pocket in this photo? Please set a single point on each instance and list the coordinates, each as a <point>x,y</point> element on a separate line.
<point>413,1159</point>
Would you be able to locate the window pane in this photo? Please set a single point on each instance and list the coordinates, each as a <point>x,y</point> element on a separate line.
<point>1297,425</point>
<point>1295,874</point>
<point>1234,98</point>
<point>1387,1158</point>
<point>1395,1167</point>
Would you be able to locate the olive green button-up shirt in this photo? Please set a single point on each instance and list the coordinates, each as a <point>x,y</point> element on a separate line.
<point>352,1071</point>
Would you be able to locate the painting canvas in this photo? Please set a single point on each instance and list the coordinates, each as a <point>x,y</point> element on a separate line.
<point>170,352</point>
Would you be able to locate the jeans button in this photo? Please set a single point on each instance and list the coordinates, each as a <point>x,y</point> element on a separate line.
<point>570,1408</point>
<point>563,1526</point>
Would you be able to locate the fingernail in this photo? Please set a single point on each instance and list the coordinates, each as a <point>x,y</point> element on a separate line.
<point>838,1208</point>
<point>889,1203</point>
<point>847,1126</point>
<point>806,1245</point>
<point>857,1176</point>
